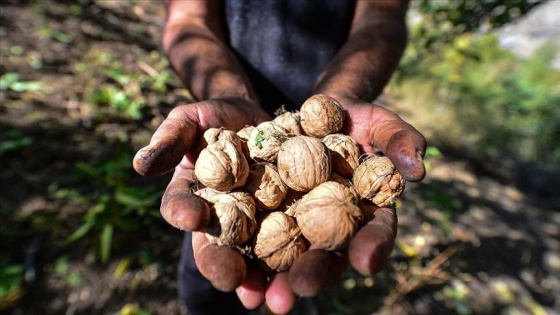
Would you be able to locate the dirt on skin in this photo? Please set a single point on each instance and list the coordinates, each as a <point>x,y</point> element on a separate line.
<point>468,242</point>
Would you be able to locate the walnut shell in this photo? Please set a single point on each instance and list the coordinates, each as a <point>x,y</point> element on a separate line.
<point>212,135</point>
<point>266,186</point>
<point>233,221</point>
<point>321,115</point>
<point>345,154</point>
<point>244,134</point>
<point>327,218</point>
<point>304,163</point>
<point>221,166</point>
<point>290,122</point>
<point>346,182</point>
<point>278,242</point>
<point>334,190</point>
<point>377,180</point>
<point>265,141</point>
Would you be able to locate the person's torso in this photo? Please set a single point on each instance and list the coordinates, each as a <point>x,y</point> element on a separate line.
<point>285,44</point>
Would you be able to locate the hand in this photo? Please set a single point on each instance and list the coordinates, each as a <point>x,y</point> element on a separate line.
<point>173,145</point>
<point>376,129</point>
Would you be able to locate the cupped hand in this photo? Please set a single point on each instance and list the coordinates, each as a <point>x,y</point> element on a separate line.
<point>173,146</point>
<point>376,130</point>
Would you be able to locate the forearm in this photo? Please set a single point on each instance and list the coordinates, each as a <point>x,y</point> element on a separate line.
<point>193,41</point>
<point>371,54</point>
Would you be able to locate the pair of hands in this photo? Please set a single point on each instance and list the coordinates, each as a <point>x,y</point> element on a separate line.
<point>174,144</point>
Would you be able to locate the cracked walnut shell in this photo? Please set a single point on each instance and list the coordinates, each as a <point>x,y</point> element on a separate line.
<point>278,242</point>
<point>290,122</point>
<point>265,141</point>
<point>345,153</point>
<point>212,135</point>
<point>233,218</point>
<point>264,183</point>
<point>377,180</point>
<point>221,166</point>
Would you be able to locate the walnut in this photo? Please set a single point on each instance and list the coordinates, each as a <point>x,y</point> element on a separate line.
<point>304,162</point>
<point>329,216</point>
<point>221,166</point>
<point>212,135</point>
<point>377,180</point>
<point>321,115</point>
<point>264,183</point>
<point>265,141</point>
<point>233,221</point>
<point>345,153</point>
<point>290,122</point>
<point>347,183</point>
<point>334,190</point>
<point>278,242</point>
<point>244,134</point>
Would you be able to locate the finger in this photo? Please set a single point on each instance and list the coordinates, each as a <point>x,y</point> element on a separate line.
<point>180,207</point>
<point>401,142</point>
<point>315,270</point>
<point>169,143</point>
<point>279,296</point>
<point>373,243</point>
<point>251,292</point>
<point>223,266</point>
<point>406,150</point>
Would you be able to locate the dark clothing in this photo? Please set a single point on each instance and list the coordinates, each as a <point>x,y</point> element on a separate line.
<point>198,294</point>
<point>284,45</point>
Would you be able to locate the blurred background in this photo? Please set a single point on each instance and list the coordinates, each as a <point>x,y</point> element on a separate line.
<point>83,85</point>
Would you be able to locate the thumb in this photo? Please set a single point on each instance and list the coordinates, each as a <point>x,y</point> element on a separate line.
<point>169,143</point>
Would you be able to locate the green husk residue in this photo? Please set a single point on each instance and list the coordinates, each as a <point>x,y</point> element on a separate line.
<point>259,139</point>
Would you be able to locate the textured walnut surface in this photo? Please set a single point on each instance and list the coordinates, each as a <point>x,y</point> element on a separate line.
<point>304,163</point>
<point>265,184</point>
<point>222,166</point>
<point>377,180</point>
<point>278,242</point>
<point>321,115</point>
<point>328,222</point>
<point>344,152</point>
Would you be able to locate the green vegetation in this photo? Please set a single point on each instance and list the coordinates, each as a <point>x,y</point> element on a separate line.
<point>482,100</point>
<point>116,205</point>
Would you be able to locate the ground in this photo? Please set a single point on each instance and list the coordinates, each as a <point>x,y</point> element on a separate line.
<point>93,84</point>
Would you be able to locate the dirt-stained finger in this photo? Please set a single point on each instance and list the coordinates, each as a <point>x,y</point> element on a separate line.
<point>373,243</point>
<point>406,150</point>
<point>315,270</point>
<point>173,138</point>
<point>223,266</point>
<point>180,207</point>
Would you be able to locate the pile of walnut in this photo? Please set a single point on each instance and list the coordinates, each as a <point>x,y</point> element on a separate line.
<point>287,184</point>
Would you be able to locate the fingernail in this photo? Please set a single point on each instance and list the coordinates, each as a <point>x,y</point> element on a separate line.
<point>419,155</point>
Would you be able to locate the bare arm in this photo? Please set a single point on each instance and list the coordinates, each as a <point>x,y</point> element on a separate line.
<point>375,45</point>
<point>194,42</point>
